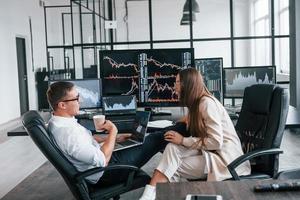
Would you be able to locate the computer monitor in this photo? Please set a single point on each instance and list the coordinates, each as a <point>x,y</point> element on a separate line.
<point>149,74</point>
<point>121,104</point>
<point>89,91</point>
<point>237,79</point>
<point>211,70</point>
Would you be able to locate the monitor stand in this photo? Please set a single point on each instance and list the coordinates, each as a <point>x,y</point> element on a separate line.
<point>158,112</point>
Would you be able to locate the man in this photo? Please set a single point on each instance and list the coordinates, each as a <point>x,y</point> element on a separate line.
<point>84,150</point>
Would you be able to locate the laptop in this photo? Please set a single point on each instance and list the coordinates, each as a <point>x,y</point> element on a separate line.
<point>138,132</point>
<point>119,105</point>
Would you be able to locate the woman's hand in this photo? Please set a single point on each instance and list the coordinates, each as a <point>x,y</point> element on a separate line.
<point>174,137</point>
<point>123,137</point>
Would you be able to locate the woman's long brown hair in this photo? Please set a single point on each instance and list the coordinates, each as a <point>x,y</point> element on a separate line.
<point>192,89</point>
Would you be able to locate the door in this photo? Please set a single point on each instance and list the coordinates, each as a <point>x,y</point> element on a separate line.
<point>22,74</point>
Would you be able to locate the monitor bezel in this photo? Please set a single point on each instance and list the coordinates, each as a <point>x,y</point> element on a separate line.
<point>244,67</point>
<point>85,79</point>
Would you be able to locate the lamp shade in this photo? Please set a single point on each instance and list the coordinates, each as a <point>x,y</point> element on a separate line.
<point>195,6</point>
<point>185,20</point>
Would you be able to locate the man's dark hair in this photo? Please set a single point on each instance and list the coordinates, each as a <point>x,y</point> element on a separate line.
<point>57,91</point>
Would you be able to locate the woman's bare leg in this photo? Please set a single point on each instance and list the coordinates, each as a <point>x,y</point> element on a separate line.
<point>158,177</point>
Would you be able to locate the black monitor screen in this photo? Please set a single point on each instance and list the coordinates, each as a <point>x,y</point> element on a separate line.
<point>89,91</point>
<point>211,70</point>
<point>148,74</point>
<point>237,79</point>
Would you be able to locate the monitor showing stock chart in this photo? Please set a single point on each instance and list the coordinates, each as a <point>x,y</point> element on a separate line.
<point>238,78</point>
<point>148,74</point>
<point>211,70</point>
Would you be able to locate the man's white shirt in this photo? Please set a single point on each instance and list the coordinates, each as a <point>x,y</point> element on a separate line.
<point>77,144</point>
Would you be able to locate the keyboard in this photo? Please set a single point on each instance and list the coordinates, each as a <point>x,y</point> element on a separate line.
<point>124,144</point>
<point>127,142</point>
<point>120,117</point>
<point>109,117</point>
<point>85,116</point>
<point>118,146</point>
<point>120,114</point>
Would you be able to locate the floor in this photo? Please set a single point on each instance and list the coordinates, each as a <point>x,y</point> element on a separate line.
<point>20,157</point>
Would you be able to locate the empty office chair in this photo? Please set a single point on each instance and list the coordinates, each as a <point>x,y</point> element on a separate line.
<point>35,127</point>
<point>260,127</point>
<point>288,174</point>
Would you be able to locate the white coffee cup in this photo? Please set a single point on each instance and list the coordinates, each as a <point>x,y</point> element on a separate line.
<point>98,122</point>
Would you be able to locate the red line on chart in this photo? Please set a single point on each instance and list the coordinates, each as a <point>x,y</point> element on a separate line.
<point>134,86</point>
<point>161,65</point>
<point>158,75</point>
<point>114,64</point>
<point>160,88</point>
<point>111,77</point>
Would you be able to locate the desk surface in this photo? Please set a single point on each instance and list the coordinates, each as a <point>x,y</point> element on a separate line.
<point>19,131</point>
<point>293,120</point>
<point>236,190</point>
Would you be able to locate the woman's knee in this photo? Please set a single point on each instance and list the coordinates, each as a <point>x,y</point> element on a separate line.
<point>172,147</point>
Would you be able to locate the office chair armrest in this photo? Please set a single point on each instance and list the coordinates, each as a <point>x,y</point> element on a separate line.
<point>95,170</point>
<point>234,164</point>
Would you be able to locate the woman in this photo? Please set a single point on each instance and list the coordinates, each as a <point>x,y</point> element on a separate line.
<point>213,143</point>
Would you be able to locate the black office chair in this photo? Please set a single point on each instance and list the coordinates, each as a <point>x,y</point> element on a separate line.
<point>260,127</point>
<point>288,174</point>
<point>81,189</point>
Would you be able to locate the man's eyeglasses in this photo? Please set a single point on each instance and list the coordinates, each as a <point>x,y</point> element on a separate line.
<point>75,99</point>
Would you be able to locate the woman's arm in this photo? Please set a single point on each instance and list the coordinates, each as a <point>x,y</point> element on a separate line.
<point>213,121</point>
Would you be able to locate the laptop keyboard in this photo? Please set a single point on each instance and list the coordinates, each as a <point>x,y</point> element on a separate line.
<point>122,126</point>
<point>118,146</point>
<point>126,143</point>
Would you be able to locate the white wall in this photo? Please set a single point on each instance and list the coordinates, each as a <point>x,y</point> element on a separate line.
<point>14,21</point>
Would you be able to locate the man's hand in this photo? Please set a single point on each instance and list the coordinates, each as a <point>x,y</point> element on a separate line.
<point>174,137</point>
<point>110,127</point>
<point>123,137</point>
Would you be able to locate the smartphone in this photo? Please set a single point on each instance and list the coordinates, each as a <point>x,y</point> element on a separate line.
<point>203,197</point>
